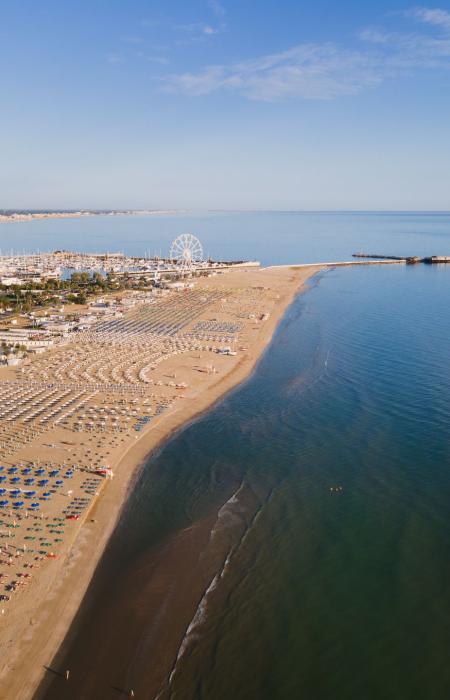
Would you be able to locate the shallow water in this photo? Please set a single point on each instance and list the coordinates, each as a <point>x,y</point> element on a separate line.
<point>236,572</point>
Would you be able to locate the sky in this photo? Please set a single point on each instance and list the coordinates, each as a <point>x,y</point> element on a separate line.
<point>225,104</point>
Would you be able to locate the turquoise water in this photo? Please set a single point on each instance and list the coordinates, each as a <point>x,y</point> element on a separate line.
<point>271,237</point>
<point>236,572</point>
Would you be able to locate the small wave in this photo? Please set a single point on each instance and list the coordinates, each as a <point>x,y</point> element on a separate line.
<point>191,634</point>
<point>227,512</point>
<point>199,617</point>
<point>196,621</point>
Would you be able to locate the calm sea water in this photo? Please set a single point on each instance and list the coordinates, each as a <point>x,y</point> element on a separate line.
<point>272,238</point>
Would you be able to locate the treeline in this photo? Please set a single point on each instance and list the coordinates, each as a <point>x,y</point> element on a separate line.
<point>76,290</point>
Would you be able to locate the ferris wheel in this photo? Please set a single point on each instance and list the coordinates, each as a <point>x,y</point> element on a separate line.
<point>186,250</point>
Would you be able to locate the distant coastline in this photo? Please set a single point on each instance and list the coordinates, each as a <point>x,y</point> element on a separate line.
<point>10,215</point>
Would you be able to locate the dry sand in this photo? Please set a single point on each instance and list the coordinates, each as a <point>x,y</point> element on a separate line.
<point>33,628</point>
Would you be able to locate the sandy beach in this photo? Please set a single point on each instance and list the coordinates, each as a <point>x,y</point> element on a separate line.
<point>240,310</point>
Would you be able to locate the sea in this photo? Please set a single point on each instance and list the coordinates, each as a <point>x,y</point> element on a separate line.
<point>294,541</point>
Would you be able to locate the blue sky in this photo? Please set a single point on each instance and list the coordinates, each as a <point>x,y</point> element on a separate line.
<point>225,104</point>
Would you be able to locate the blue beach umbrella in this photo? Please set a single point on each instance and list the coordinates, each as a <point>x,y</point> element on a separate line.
<point>2,479</point>
<point>15,480</point>
<point>59,482</point>
<point>35,505</point>
<point>12,470</point>
<point>2,491</point>
<point>3,504</point>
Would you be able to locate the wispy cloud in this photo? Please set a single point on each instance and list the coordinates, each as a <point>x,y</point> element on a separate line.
<point>207,29</point>
<point>217,7</point>
<point>198,30</point>
<point>309,71</point>
<point>326,71</point>
<point>436,17</point>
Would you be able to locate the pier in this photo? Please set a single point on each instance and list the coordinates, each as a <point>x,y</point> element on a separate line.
<point>374,260</point>
<point>342,263</point>
<point>409,260</point>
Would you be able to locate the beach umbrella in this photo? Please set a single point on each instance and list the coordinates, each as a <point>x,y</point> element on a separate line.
<point>59,482</point>
<point>43,482</point>
<point>15,480</point>
<point>2,491</point>
<point>2,478</point>
<point>35,505</point>
<point>15,492</point>
<point>3,504</point>
<point>12,470</point>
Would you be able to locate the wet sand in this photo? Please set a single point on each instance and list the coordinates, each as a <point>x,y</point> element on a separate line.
<point>152,605</point>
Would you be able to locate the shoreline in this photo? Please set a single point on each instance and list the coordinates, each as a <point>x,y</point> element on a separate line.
<point>21,217</point>
<point>70,581</point>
